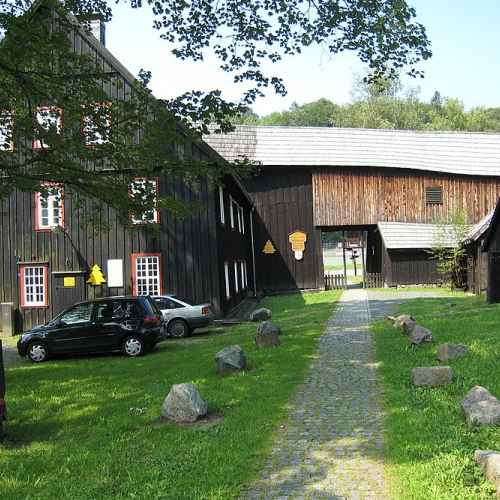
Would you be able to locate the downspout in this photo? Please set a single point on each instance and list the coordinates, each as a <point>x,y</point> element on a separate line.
<point>253,253</point>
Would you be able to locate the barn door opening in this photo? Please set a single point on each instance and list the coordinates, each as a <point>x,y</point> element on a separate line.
<point>344,257</point>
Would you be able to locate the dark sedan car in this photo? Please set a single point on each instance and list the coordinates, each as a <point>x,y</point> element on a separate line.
<point>127,324</point>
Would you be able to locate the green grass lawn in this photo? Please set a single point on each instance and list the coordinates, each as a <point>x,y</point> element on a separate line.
<point>429,447</point>
<point>89,427</point>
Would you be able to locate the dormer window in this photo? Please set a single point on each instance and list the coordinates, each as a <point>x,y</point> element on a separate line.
<point>49,209</point>
<point>148,190</point>
<point>96,124</point>
<point>48,118</point>
<point>6,131</point>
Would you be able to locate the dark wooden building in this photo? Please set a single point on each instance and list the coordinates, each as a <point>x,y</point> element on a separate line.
<point>47,253</point>
<point>314,179</point>
<point>483,251</point>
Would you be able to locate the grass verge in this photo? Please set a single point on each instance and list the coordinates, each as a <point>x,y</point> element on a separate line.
<point>429,447</point>
<point>89,428</point>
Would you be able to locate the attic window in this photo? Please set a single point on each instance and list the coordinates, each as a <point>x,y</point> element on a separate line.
<point>434,195</point>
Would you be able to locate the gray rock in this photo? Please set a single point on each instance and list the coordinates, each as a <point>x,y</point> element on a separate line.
<point>490,461</point>
<point>261,314</point>
<point>268,335</point>
<point>183,404</point>
<point>451,351</point>
<point>420,334</point>
<point>404,321</point>
<point>230,359</point>
<point>481,407</point>
<point>431,376</point>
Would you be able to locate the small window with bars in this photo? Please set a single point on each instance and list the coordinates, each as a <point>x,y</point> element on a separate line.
<point>33,281</point>
<point>433,195</point>
<point>146,274</point>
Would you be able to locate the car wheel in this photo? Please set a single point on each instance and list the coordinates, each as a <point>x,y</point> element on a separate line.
<point>178,328</point>
<point>133,346</point>
<point>37,352</point>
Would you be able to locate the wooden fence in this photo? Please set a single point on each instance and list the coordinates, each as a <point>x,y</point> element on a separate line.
<point>335,282</point>
<point>373,280</point>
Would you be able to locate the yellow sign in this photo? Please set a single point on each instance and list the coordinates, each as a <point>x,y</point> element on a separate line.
<point>298,241</point>
<point>69,281</point>
<point>96,277</point>
<point>269,248</point>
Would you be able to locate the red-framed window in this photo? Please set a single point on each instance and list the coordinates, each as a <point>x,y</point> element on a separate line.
<point>48,117</point>
<point>96,123</point>
<point>49,209</point>
<point>6,131</point>
<point>147,188</point>
<point>147,274</point>
<point>34,285</point>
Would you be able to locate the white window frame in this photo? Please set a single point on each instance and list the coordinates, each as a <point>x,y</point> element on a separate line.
<point>242,216</point>
<point>236,284</point>
<point>155,183</point>
<point>226,279</point>
<point>6,131</point>
<point>54,210</point>
<point>221,205</point>
<point>46,117</point>
<point>34,285</point>
<point>231,211</point>
<point>89,127</point>
<point>242,275</point>
<point>146,283</point>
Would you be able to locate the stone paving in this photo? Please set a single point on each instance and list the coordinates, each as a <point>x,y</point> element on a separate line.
<point>331,445</point>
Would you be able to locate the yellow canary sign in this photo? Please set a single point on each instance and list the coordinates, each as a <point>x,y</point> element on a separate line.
<point>69,281</point>
<point>298,241</point>
<point>96,277</point>
<point>269,248</point>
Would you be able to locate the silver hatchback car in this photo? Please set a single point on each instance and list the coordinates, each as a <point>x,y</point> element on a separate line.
<point>182,318</point>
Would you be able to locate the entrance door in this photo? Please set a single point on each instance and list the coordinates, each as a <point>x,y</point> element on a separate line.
<point>494,277</point>
<point>68,289</point>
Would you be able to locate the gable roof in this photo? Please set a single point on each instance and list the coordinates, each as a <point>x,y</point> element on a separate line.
<point>446,152</point>
<point>409,235</point>
<point>478,230</point>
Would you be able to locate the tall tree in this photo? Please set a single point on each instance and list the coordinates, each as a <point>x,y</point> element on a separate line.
<point>39,67</point>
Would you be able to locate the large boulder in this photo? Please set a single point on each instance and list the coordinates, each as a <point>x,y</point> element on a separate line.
<point>481,407</point>
<point>419,334</point>
<point>230,359</point>
<point>404,321</point>
<point>262,314</point>
<point>490,462</point>
<point>451,351</point>
<point>431,376</point>
<point>268,335</point>
<point>183,404</point>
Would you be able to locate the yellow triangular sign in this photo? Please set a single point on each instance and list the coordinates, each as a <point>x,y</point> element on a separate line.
<point>96,277</point>
<point>268,248</point>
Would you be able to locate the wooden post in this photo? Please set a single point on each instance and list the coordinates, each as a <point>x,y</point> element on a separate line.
<point>363,257</point>
<point>343,254</point>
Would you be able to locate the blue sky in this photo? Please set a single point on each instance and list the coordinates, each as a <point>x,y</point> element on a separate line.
<point>465,38</point>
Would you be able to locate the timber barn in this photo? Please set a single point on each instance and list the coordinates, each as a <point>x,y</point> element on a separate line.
<point>47,253</point>
<point>392,185</point>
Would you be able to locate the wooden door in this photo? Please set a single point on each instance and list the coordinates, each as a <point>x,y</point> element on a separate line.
<point>68,290</point>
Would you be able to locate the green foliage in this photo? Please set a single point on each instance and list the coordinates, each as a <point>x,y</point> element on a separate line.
<point>451,260</point>
<point>39,67</point>
<point>97,418</point>
<point>429,449</point>
<point>386,104</point>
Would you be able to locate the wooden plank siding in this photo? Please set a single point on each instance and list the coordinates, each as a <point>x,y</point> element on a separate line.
<point>283,204</point>
<point>190,247</point>
<point>364,196</point>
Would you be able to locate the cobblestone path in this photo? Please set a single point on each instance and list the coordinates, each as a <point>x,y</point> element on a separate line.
<point>331,446</point>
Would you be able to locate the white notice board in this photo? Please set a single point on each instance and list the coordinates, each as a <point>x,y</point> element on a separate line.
<point>115,273</point>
